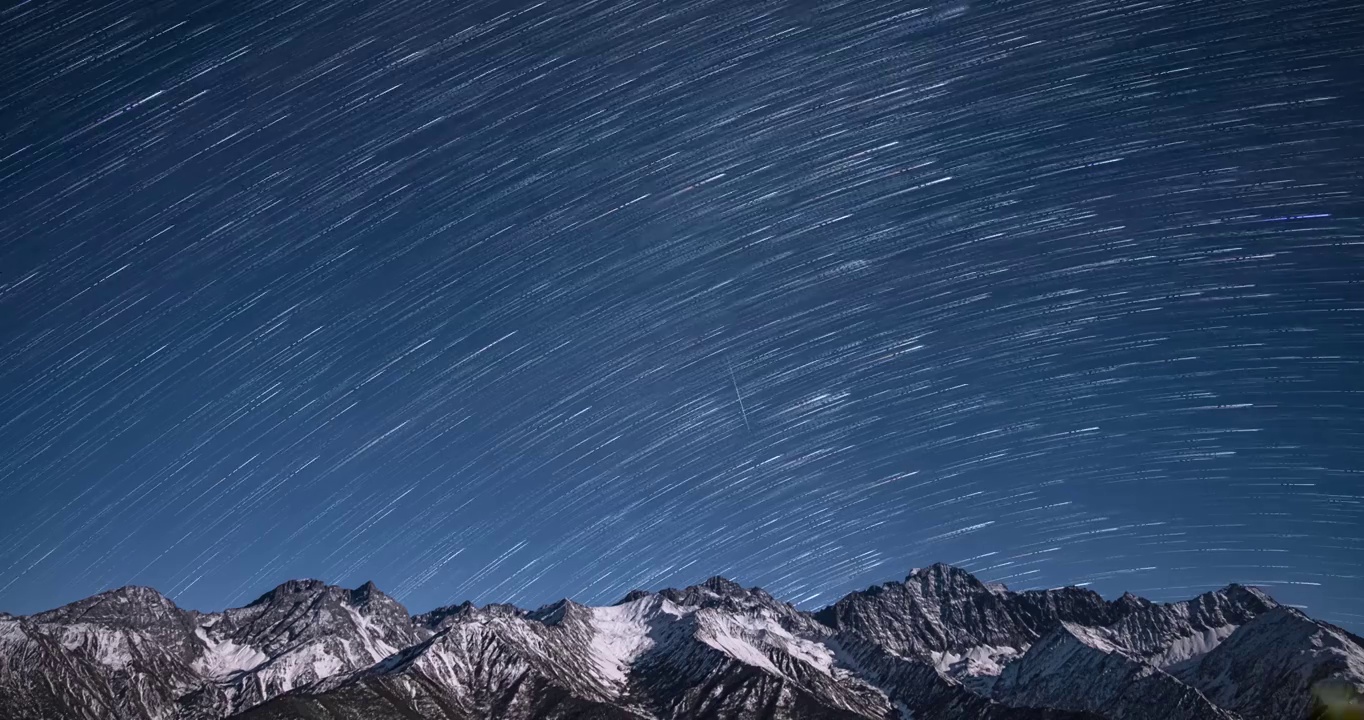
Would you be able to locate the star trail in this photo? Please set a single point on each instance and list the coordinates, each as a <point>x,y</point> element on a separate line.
<point>511,301</point>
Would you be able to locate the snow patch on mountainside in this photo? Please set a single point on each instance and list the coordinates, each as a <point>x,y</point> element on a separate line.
<point>976,661</point>
<point>223,658</point>
<point>1192,647</point>
<point>620,634</point>
<point>1097,638</point>
<point>110,648</point>
<point>298,667</point>
<point>749,639</point>
<point>730,636</point>
<point>371,635</point>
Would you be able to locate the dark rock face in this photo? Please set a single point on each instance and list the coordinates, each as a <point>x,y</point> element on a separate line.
<point>917,686</point>
<point>940,645</point>
<point>971,630</point>
<point>942,609</point>
<point>442,616</point>
<point>1079,668</point>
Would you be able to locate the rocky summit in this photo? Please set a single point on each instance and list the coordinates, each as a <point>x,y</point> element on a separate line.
<point>939,645</point>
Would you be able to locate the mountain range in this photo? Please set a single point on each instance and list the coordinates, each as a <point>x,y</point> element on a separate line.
<point>939,645</point>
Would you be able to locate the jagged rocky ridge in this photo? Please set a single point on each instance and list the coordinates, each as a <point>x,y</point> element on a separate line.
<point>939,645</point>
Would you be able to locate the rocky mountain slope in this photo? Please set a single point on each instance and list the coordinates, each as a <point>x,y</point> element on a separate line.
<point>939,645</point>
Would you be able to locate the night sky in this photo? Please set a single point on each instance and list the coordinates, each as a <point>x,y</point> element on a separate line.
<point>505,301</point>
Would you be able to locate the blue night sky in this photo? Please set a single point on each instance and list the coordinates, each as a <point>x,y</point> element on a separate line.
<point>508,302</point>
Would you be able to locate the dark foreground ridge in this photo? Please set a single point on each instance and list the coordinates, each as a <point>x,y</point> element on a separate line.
<point>940,645</point>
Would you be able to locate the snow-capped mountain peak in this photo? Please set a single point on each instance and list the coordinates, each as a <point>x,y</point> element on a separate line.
<point>939,644</point>
<point>129,606</point>
<point>1274,665</point>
